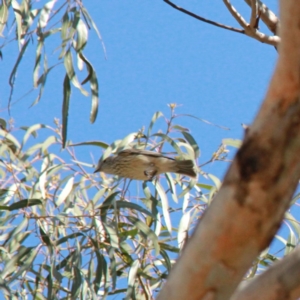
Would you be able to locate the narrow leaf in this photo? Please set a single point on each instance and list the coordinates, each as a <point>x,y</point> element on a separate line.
<point>131,279</point>
<point>65,192</point>
<point>192,142</point>
<point>172,187</point>
<point>3,16</point>
<point>82,35</point>
<point>45,13</point>
<point>68,62</point>
<point>87,15</point>
<point>165,205</point>
<point>170,141</point>
<point>38,56</point>
<point>156,116</point>
<point>183,229</point>
<point>25,203</point>
<point>43,176</point>
<point>92,143</point>
<point>65,109</point>
<point>232,142</point>
<point>95,97</point>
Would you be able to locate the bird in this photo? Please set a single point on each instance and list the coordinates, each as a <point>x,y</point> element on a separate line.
<point>144,165</point>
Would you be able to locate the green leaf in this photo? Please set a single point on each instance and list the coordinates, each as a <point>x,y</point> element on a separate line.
<point>131,279</point>
<point>89,67</point>
<point>192,142</point>
<point>92,143</point>
<point>169,247</point>
<point>172,187</point>
<point>45,237</point>
<point>3,124</point>
<point>107,204</point>
<point>48,142</point>
<point>190,186</point>
<point>45,13</point>
<point>294,223</point>
<point>77,283</point>
<point>101,268</point>
<point>68,62</point>
<point>43,176</point>
<point>232,142</point>
<point>37,62</point>
<point>147,232</point>
<point>205,186</point>
<point>68,237</point>
<point>113,267</point>
<point>3,16</point>
<point>166,260</point>
<point>24,252</point>
<point>31,131</point>
<point>180,128</point>
<point>65,192</point>
<point>88,17</point>
<point>156,116</point>
<point>165,205</point>
<point>215,180</point>
<point>95,97</point>
<point>64,34</point>
<point>18,16</point>
<point>133,206</point>
<point>113,236</point>
<point>42,80</point>
<point>92,77</point>
<point>10,137</point>
<point>82,35</point>
<point>170,141</point>
<point>12,75</point>
<point>183,229</point>
<point>24,203</point>
<point>127,140</point>
<point>65,110</point>
<point>203,120</point>
<point>3,192</point>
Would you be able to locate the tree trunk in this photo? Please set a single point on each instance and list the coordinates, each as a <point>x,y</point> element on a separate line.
<point>257,188</point>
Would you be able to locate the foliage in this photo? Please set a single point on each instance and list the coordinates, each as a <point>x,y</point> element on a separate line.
<point>70,234</point>
<point>64,23</point>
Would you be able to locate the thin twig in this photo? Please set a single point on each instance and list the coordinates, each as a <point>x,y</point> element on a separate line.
<point>236,14</point>
<point>250,31</point>
<point>203,19</point>
<point>267,16</point>
<point>253,21</point>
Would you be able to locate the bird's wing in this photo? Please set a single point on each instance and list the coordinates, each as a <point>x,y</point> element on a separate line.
<point>127,152</point>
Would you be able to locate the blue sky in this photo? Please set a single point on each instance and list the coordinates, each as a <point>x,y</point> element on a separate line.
<point>155,56</point>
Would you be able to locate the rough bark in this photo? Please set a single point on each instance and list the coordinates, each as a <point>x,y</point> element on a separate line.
<point>257,188</point>
<point>280,281</point>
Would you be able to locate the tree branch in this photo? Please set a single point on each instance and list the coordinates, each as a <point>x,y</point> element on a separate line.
<point>249,30</point>
<point>250,206</point>
<point>267,16</point>
<point>203,19</point>
<point>281,279</point>
<point>253,14</point>
<point>236,14</point>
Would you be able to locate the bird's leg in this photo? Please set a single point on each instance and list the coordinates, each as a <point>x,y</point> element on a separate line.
<point>150,174</point>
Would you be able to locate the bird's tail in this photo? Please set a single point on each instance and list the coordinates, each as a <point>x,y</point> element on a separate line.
<point>186,167</point>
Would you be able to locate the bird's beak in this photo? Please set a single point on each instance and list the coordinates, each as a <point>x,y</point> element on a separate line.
<point>98,168</point>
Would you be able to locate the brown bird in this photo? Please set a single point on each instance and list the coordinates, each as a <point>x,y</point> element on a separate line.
<point>144,165</point>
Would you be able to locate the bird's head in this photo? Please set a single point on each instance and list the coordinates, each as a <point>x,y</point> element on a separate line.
<point>105,165</point>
